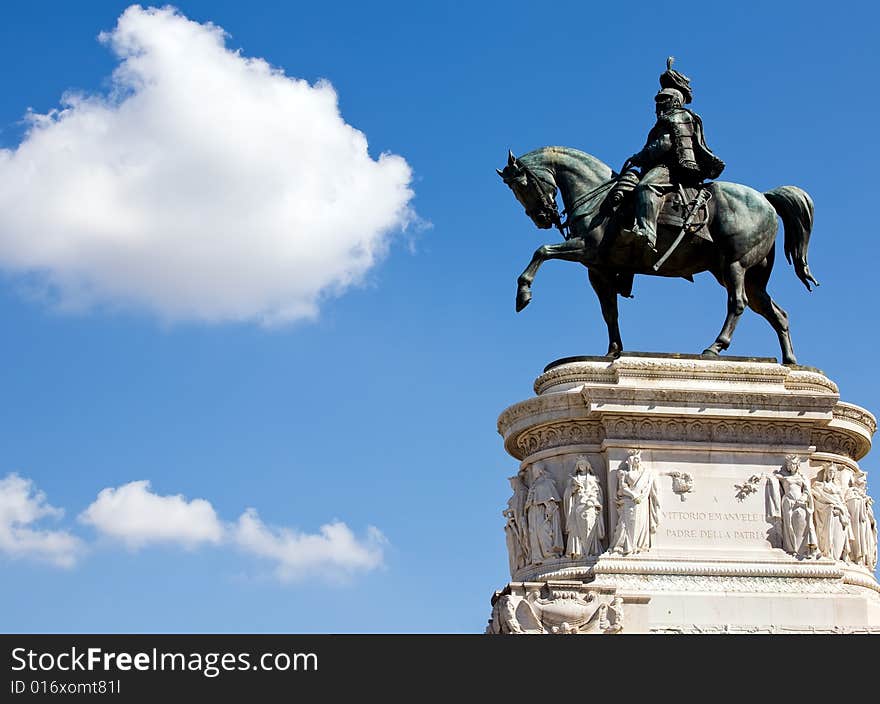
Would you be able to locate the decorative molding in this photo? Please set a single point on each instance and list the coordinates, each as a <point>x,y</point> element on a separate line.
<point>801,380</point>
<point>601,372</point>
<point>633,430</point>
<point>709,430</point>
<point>582,572</point>
<point>741,585</point>
<point>702,398</point>
<point>776,433</point>
<point>558,434</point>
<point>802,569</point>
<point>861,579</point>
<point>583,373</point>
<point>857,415</point>
<point>840,443</point>
<point>552,403</point>
<point>694,629</point>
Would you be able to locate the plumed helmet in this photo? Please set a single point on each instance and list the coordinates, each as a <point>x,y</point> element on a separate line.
<point>672,79</point>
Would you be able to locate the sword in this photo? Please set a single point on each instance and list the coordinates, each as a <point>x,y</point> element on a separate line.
<point>698,201</point>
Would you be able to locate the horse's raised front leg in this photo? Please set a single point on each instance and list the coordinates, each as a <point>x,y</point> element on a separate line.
<point>606,290</point>
<point>571,250</point>
<point>734,282</point>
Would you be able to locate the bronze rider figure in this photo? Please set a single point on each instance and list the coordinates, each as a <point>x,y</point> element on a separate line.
<point>675,153</point>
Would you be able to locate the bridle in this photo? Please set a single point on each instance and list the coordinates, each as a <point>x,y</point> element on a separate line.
<point>547,204</point>
<point>547,201</point>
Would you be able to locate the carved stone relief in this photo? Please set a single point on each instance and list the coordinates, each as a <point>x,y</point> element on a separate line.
<point>543,506</point>
<point>583,504</point>
<point>682,483</point>
<point>748,487</point>
<point>790,508</point>
<point>578,611</point>
<point>833,525</point>
<point>863,525</point>
<point>638,506</point>
<point>516,529</point>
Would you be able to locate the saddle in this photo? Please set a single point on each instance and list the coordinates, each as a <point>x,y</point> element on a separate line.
<point>677,204</point>
<point>674,208</point>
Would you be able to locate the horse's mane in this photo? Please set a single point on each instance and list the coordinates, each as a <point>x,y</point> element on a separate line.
<point>593,178</point>
<point>553,153</point>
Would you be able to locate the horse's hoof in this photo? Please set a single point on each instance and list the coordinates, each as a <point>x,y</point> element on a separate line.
<point>522,300</point>
<point>709,353</point>
<point>790,360</point>
<point>613,352</point>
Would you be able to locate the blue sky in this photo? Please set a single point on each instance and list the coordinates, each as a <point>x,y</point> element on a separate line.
<point>369,396</point>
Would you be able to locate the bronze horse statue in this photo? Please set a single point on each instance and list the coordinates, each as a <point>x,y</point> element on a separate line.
<point>741,224</point>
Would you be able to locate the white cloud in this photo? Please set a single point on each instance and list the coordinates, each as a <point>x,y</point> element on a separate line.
<point>204,186</point>
<point>136,516</point>
<point>21,505</point>
<point>334,553</point>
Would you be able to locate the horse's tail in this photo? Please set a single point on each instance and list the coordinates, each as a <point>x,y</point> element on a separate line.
<point>795,207</point>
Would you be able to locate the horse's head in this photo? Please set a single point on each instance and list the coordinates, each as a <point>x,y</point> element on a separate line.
<point>536,194</point>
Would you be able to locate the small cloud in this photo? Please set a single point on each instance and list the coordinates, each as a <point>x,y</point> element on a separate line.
<point>334,553</point>
<point>135,516</point>
<point>22,505</point>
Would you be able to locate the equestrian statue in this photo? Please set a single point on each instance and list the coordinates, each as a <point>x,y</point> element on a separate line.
<point>659,216</point>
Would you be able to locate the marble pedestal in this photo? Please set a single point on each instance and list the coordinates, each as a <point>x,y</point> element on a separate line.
<point>693,540</point>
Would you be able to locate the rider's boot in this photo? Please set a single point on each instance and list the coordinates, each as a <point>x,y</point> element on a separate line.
<point>647,210</point>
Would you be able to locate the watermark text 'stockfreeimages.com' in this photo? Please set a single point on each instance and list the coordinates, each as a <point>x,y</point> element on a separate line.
<point>209,664</point>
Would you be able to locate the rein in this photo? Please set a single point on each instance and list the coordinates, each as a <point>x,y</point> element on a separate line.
<point>589,195</point>
<point>549,204</point>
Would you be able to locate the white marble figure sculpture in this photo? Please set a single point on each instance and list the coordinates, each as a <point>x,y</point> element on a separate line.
<point>616,615</point>
<point>542,508</point>
<point>582,504</point>
<point>504,619</point>
<point>872,545</point>
<point>515,527</point>
<point>638,506</point>
<point>833,527</point>
<point>790,505</point>
<point>856,497</point>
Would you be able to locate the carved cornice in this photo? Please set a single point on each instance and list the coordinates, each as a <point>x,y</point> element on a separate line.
<point>550,404</point>
<point>703,398</point>
<point>743,372</point>
<point>695,629</point>
<point>575,373</point>
<point>861,579</point>
<point>800,570</point>
<point>714,430</point>
<point>612,568</point>
<point>562,569</point>
<point>856,415</point>
<point>640,429</point>
<point>584,573</point>
<point>802,380</point>
<point>681,369</point>
<point>559,434</point>
<point>629,583</point>
<point>838,443</point>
